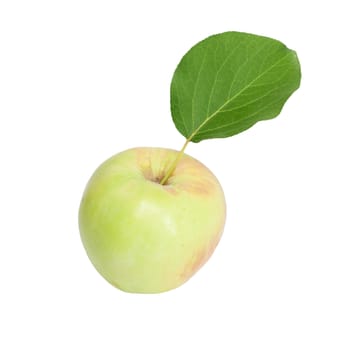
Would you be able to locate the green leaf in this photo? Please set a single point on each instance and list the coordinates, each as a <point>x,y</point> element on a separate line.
<point>230,81</point>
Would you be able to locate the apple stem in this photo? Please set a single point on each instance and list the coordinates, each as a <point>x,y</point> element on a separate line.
<point>175,163</point>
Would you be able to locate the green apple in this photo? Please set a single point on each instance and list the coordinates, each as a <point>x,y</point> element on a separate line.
<point>145,237</point>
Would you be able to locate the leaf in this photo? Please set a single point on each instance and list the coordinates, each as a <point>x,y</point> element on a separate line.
<point>230,81</point>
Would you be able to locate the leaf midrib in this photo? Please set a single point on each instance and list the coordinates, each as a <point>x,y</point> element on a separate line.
<point>245,119</point>
<point>235,96</point>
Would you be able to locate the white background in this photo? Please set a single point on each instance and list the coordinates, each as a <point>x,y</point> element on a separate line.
<point>83,80</point>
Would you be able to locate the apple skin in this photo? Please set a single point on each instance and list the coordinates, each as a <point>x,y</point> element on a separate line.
<point>143,237</point>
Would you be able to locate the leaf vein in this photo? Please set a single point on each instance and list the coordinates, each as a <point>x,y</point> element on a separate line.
<point>238,121</point>
<point>196,86</point>
<point>216,76</point>
<point>237,94</point>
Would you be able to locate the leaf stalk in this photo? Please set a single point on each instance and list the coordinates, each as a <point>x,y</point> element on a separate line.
<point>175,163</point>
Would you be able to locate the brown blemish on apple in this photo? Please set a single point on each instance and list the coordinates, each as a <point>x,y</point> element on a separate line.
<point>171,190</point>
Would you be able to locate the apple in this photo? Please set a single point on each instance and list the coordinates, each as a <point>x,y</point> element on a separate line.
<point>144,237</point>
